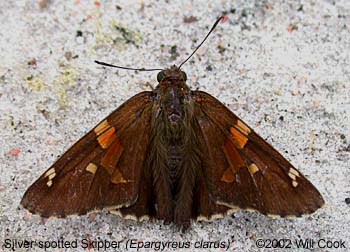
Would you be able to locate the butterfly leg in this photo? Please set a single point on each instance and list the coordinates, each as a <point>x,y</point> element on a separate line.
<point>146,85</point>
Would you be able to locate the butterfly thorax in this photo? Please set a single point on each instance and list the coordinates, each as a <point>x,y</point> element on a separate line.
<point>172,90</point>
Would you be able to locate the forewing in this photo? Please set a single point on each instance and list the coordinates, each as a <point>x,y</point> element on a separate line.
<point>103,169</point>
<point>244,171</point>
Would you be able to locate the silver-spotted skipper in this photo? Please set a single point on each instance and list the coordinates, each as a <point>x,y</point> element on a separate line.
<point>172,154</point>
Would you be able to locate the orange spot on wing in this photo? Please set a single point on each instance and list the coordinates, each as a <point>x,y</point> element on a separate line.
<point>228,176</point>
<point>234,159</point>
<point>110,159</point>
<point>238,138</point>
<point>107,138</point>
<point>117,177</point>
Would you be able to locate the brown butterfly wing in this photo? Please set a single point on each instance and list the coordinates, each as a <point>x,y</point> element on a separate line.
<point>103,169</point>
<point>243,171</point>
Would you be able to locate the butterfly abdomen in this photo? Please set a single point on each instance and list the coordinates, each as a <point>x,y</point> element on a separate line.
<point>174,160</point>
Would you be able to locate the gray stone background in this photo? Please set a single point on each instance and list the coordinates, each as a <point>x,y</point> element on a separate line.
<point>282,66</point>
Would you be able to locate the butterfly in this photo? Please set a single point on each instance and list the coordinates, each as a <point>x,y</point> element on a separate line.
<point>172,154</point>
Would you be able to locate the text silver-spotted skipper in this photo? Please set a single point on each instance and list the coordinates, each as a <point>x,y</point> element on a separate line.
<point>172,154</point>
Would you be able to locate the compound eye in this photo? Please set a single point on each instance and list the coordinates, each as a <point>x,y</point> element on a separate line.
<point>184,76</point>
<point>160,76</point>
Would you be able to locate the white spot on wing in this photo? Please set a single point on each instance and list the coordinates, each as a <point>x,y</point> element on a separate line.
<point>91,168</point>
<point>242,127</point>
<point>52,175</point>
<point>293,171</point>
<point>49,172</point>
<point>292,176</point>
<point>253,169</point>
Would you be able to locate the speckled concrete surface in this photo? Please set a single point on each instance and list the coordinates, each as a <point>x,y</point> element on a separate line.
<point>282,67</point>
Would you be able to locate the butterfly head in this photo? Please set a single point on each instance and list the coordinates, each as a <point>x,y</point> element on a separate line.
<point>171,74</point>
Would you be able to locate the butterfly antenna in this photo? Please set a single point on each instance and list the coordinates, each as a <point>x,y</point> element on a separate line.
<point>127,68</point>
<point>223,19</point>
